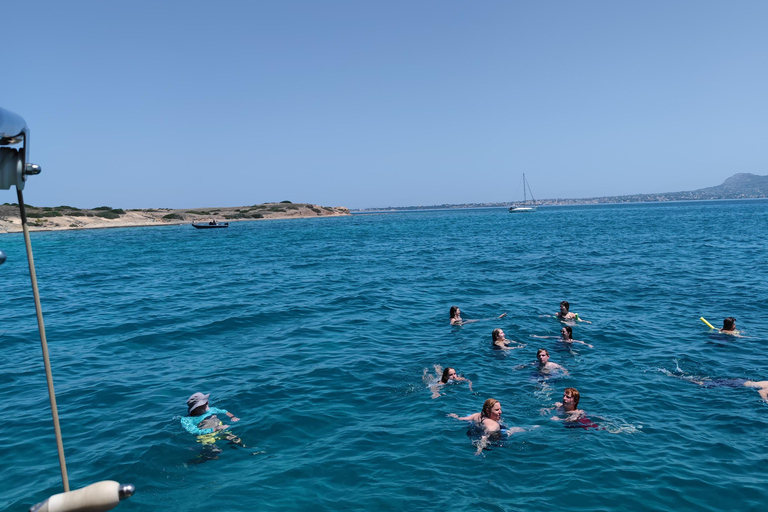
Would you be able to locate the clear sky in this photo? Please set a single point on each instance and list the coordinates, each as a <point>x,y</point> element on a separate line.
<point>369,104</point>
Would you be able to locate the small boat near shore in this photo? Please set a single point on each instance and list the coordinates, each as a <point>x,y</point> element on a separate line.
<point>525,206</point>
<point>211,225</point>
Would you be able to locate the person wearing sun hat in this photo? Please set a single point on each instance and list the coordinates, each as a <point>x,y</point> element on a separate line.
<point>201,419</point>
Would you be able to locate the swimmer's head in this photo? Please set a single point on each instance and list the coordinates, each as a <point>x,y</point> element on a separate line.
<point>542,355</point>
<point>447,374</point>
<point>492,409</point>
<point>564,307</point>
<point>729,324</point>
<point>567,332</point>
<point>571,393</point>
<point>497,335</point>
<point>197,401</point>
<point>455,311</point>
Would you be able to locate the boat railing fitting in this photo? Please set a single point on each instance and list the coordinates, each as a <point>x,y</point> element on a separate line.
<point>14,169</point>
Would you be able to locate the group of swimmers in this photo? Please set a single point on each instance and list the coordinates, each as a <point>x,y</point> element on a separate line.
<point>489,418</point>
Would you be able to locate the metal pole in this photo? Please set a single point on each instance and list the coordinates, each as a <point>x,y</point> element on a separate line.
<point>43,342</point>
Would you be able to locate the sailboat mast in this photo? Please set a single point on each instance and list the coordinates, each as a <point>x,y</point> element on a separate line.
<point>525,197</point>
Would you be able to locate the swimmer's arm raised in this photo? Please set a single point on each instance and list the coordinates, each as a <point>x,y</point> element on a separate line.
<point>472,417</point>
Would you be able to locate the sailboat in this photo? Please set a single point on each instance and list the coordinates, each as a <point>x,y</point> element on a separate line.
<point>525,206</point>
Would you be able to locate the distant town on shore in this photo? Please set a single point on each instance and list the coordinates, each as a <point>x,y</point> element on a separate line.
<point>738,186</point>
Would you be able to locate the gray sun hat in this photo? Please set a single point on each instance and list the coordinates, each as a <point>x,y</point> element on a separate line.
<point>196,401</point>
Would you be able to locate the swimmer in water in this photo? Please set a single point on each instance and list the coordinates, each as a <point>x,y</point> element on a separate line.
<point>566,316</point>
<point>545,365</point>
<point>760,385</point>
<point>449,376</point>
<point>198,410</point>
<point>489,418</point>
<point>729,327</point>
<point>457,320</point>
<point>566,336</point>
<point>500,342</point>
<point>568,408</point>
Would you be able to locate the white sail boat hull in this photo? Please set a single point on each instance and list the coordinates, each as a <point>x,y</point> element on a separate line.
<point>525,207</point>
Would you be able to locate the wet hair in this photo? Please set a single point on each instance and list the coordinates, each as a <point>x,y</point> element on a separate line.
<point>488,405</point>
<point>495,335</point>
<point>729,324</point>
<point>569,330</point>
<point>454,309</point>
<point>567,306</point>
<point>540,351</point>
<point>445,374</point>
<point>574,393</point>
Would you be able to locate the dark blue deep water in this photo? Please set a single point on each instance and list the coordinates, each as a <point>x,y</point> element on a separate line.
<point>317,333</point>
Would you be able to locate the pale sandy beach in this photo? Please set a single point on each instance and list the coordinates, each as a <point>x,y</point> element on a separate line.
<point>65,217</point>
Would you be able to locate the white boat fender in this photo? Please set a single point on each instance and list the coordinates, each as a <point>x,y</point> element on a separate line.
<point>96,497</point>
<point>2,257</point>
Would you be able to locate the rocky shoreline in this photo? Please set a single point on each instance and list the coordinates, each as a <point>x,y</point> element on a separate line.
<point>69,217</point>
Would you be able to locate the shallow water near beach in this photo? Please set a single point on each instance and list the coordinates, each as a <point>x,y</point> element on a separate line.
<point>317,332</point>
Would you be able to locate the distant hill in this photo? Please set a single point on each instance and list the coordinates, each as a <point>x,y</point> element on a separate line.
<point>739,186</point>
<point>742,184</point>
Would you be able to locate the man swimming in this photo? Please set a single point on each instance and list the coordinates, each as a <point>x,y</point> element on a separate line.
<point>545,365</point>
<point>568,408</point>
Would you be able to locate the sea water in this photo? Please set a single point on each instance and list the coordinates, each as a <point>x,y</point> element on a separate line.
<point>317,334</point>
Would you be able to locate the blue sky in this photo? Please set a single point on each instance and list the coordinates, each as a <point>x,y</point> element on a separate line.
<point>370,104</point>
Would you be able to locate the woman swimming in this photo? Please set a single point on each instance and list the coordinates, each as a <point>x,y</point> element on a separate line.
<point>564,315</point>
<point>566,336</point>
<point>760,385</point>
<point>729,327</point>
<point>500,342</point>
<point>456,319</point>
<point>449,376</point>
<point>489,418</point>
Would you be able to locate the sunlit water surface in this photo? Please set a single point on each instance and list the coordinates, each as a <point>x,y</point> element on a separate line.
<point>317,333</point>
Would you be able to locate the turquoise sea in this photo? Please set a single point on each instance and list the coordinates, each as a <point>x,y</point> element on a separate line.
<point>317,333</point>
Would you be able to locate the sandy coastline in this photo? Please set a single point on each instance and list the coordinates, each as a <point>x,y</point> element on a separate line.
<point>67,218</point>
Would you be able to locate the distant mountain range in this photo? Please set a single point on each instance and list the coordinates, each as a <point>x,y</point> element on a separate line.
<point>738,186</point>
